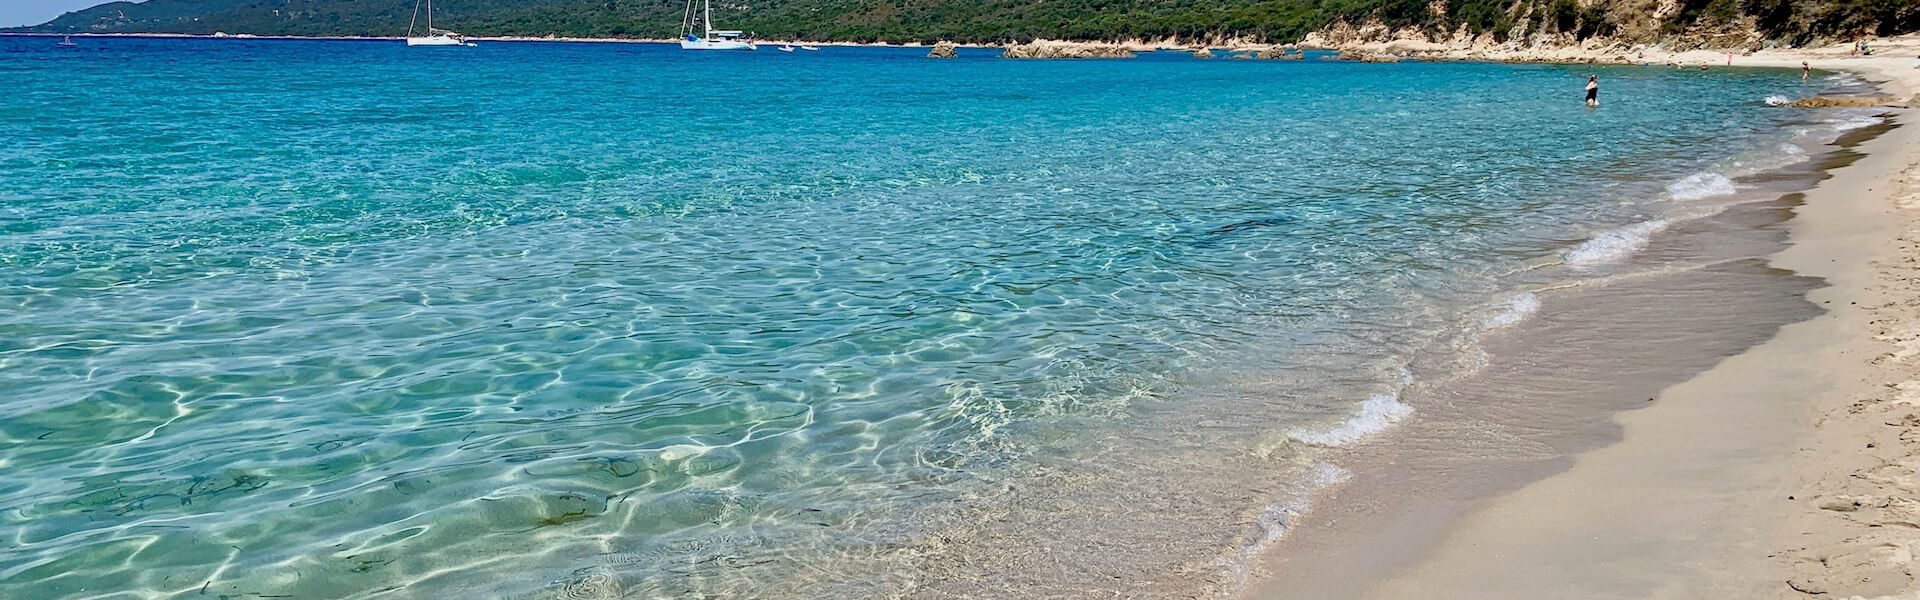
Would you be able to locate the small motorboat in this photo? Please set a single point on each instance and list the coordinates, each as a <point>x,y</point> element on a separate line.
<point>786,48</point>
<point>810,48</point>
<point>67,42</point>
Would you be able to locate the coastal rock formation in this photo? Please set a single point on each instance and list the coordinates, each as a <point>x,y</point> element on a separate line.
<point>1370,57</point>
<point>943,50</point>
<point>1843,102</point>
<point>1278,53</point>
<point>1066,49</point>
<point>1203,53</point>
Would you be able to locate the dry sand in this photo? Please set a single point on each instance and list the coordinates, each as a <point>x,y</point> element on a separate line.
<point>1789,471</point>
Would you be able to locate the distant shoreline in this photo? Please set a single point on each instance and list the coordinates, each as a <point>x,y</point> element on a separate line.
<point>1832,57</point>
<point>573,40</point>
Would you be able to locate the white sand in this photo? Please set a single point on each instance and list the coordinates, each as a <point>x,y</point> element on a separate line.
<point>1789,471</point>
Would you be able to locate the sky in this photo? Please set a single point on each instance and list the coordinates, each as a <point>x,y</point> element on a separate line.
<point>14,13</point>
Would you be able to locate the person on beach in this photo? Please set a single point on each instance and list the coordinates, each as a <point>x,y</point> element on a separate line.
<point>1593,91</point>
<point>1805,70</point>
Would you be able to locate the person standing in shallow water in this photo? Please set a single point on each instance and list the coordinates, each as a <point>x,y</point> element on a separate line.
<point>1805,70</point>
<point>1593,90</point>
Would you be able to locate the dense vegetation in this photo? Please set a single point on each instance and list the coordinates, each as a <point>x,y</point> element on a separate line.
<point>996,20</point>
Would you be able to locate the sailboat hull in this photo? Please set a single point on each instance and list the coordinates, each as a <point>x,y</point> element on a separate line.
<point>716,45</point>
<point>438,40</point>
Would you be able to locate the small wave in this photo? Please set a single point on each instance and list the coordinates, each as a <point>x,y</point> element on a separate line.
<point>1777,100</point>
<point>1852,123</point>
<point>1793,151</point>
<point>1379,412</point>
<point>1700,185</point>
<point>1760,162</point>
<point>1517,309</point>
<point>1273,521</point>
<point>1276,520</point>
<point>1615,244</point>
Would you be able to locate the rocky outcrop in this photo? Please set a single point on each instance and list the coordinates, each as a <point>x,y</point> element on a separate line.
<point>1278,53</point>
<point>943,50</point>
<point>1065,49</point>
<point>1203,53</point>
<point>1599,31</point>
<point>1843,102</point>
<point>1368,57</point>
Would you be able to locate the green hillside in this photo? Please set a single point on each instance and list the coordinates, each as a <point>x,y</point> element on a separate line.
<point>988,20</point>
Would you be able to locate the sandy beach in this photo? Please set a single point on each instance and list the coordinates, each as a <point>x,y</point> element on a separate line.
<point>1788,471</point>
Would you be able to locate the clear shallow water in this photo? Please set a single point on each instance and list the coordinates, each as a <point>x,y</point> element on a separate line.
<point>341,319</point>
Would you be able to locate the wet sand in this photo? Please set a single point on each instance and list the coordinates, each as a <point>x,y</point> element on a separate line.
<point>1755,462</point>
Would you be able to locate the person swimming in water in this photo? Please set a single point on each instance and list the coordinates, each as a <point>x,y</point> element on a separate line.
<point>1593,90</point>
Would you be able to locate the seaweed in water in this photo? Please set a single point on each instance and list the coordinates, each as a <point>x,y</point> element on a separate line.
<point>1250,224</point>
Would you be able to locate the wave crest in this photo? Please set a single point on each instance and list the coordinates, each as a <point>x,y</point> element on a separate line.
<point>1700,185</point>
<point>1378,413</point>
<point>1615,244</point>
<point>1852,123</point>
<point>1517,309</point>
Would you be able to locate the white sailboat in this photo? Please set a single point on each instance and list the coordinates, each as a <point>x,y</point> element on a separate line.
<point>715,39</point>
<point>432,37</point>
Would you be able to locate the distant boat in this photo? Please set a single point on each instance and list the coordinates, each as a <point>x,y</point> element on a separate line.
<point>432,37</point>
<point>715,39</point>
<point>810,48</point>
<point>786,48</point>
<point>67,42</point>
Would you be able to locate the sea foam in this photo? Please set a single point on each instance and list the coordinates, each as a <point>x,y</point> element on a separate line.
<point>1378,413</point>
<point>1700,185</point>
<point>1615,244</point>
<point>1516,310</point>
<point>1852,123</point>
<point>1277,519</point>
<point>1760,162</point>
<point>1777,100</point>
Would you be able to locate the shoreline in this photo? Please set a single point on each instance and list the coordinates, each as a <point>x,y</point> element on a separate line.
<point>1691,500</point>
<point>507,38</point>
<point>1892,54</point>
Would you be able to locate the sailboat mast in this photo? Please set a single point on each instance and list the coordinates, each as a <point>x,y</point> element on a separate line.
<point>429,17</point>
<point>708,5</point>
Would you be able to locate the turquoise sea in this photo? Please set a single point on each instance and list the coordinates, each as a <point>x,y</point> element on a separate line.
<point>330,319</point>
